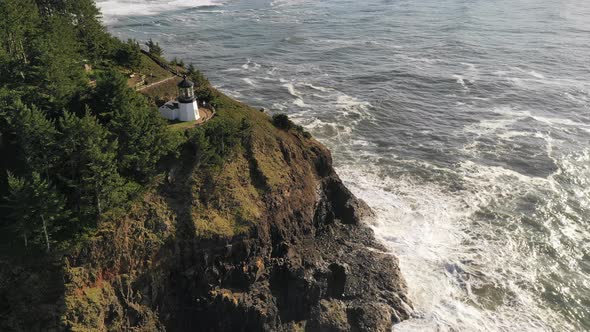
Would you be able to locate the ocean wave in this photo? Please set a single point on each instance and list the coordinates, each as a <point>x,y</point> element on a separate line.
<point>111,9</point>
<point>451,255</point>
<point>477,163</point>
<point>460,80</point>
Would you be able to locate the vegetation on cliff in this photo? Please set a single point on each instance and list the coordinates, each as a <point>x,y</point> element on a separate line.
<point>93,145</point>
<point>113,220</point>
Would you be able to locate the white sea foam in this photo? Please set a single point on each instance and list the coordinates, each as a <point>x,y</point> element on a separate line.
<point>295,93</point>
<point>292,91</point>
<point>470,66</point>
<point>487,126</point>
<point>536,74</point>
<point>460,80</point>
<point>319,88</point>
<point>448,254</point>
<point>502,127</point>
<point>299,102</point>
<point>460,231</point>
<point>247,64</point>
<point>422,224</point>
<point>279,106</point>
<point>351,103</point>
<point>111,9</point>
<point>486,176</point>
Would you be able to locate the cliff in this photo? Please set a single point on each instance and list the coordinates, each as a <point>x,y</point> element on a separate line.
<point>269,240</point>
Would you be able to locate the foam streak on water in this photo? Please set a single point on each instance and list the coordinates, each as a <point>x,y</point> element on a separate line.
<point>464,124</point>
<point>114,9</point>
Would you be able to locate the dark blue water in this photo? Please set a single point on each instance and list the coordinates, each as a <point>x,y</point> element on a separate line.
<point>464,123</point>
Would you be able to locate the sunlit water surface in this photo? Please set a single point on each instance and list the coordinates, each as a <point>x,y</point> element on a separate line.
<point>464,124</point>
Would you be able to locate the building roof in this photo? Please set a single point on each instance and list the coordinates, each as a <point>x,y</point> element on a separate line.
<point>171,105</point>
<point>186,83</point>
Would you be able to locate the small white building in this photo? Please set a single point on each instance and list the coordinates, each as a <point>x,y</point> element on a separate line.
<point>185,107</point>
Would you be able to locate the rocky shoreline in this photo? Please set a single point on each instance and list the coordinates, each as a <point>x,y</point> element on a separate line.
<point>309,263</point>
<point>271,240</point>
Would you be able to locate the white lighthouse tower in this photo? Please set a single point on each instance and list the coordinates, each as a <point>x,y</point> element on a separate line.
<point>188,110</point>
<point>184,108</point>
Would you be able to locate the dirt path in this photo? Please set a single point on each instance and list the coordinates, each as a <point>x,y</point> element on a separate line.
<point>156,83</point>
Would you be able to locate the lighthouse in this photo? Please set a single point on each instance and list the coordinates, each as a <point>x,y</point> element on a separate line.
<point>184,108</point>
<point>187,104</point>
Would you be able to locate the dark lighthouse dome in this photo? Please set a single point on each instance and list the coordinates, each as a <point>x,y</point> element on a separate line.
<point>186,92</point>
<point>186,83</point>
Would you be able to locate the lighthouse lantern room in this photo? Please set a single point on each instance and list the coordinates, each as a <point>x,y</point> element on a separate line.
<point>185,108</point>
<point>187,104</point>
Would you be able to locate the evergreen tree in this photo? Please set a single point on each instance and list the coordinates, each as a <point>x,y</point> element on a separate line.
<point>36,209</point>
<point>44,45</point>
<point>202,152</point>
<point>154,48</point>
<point>128,55</point>
<point>191,69</point>
<point>18,28</point>
<point>90,31</point>
<point>36,136</point>
<point>141,132</point>
<point>85,19</point>
<point>89,167</point>
<point>202,85</point>
<point>59,66</point>
<point>223,135</point>
<point>111,96</point>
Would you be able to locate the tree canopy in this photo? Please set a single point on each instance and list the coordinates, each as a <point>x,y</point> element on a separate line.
<point>76,142</point>
<point>70,149</point>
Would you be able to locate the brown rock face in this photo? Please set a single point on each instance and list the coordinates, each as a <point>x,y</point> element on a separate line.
<point>308,264</point>
<point>271,241</point>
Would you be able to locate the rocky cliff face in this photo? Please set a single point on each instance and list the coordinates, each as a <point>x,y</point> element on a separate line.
<point>270,241</point>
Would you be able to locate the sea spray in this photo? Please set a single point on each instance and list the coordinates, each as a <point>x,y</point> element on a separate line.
<point>464,125</point>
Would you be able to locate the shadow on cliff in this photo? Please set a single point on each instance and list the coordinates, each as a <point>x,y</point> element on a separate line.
<point>178,194</point>
<point>31,286</point>
<point>198,264</point>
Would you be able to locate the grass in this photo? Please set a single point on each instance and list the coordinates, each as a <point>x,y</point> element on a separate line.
<point>231,197</point>
<point>162,93</point>
<point>181,126</point>
<point>227,201</point>
<point>231,204</point>
<point>152,70</point>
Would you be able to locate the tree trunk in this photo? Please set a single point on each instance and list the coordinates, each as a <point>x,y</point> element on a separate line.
<point>23,53</point>
<point>45,232</point>
<point>10,44</point>
<point>222,145</point>
<point>98,207</point>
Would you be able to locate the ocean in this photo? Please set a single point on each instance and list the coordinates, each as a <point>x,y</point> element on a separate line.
<point>465,124</point>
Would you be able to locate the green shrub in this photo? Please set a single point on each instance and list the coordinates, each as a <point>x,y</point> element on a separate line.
<point>209,145</point>
<point>154,48</point>
<point>128,55</point>
<point>282,121</point>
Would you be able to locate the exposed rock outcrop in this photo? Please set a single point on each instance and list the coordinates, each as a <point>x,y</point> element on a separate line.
<point>272,241</point>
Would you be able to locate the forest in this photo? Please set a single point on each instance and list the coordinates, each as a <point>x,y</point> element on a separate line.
<point>77,144</point>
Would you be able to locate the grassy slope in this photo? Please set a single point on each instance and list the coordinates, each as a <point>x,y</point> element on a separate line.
<point>84,290</point>
<point>231,197</point>
<point>214,204</point>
